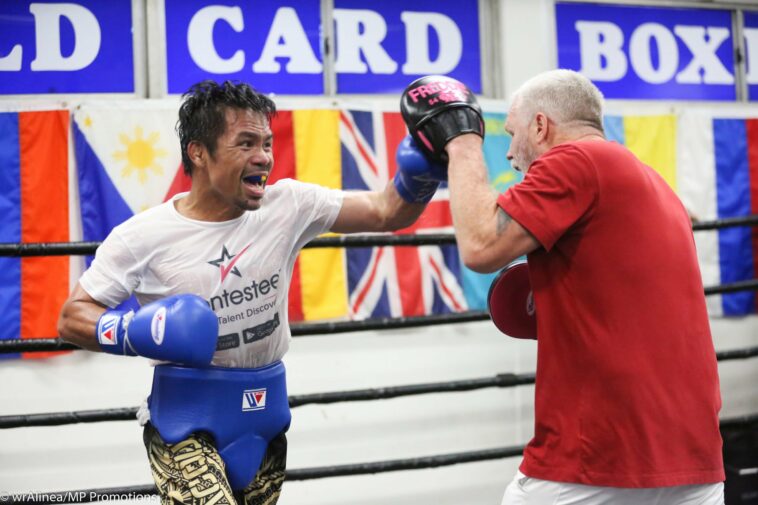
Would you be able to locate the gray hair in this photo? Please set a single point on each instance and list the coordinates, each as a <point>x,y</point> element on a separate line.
<point>565,96</point>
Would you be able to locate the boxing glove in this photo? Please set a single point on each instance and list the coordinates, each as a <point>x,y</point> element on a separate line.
<point>181,328</point>
<point>417,177</point>
<point>437,109</point>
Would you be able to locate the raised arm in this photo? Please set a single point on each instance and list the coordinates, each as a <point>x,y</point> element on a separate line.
<point>444,114</point>
<point>488,238</point>
<point>373,211</point>
<point>402,201</point>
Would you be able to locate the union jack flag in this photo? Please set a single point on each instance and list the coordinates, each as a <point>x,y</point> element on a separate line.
<point>395,281</point>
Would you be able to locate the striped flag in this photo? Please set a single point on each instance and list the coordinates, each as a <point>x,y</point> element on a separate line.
<point>307,148</point>
<point>34,207</point>
<point>652,138</point>
<point>719,170</point>
<point>735,143</point>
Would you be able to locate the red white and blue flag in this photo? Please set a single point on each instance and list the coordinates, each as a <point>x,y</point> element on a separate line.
<point>395,281</point>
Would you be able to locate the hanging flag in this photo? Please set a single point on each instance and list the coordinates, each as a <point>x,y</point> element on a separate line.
<point>651,138</point>
<point>306,148</point>
<point>697,189</point>
<point>128,160</point>
<point>735,145</point>
<point>395,281</point>
<point>33,208</point>
<point>719,179</point>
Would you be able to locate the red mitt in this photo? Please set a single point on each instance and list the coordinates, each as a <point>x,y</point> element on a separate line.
<point>511,303</point>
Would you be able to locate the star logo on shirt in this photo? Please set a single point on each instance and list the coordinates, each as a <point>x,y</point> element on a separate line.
<point>226,262</point>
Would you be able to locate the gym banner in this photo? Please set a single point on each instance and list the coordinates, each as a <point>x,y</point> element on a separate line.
<point>81,46</point>
<point>751,48</point>
<point>277,45</point>
<point>383,46</point>
<point>649,53</point>
<point>273,45</point>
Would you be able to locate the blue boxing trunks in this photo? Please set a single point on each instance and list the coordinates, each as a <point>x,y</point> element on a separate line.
<point>242,408</point>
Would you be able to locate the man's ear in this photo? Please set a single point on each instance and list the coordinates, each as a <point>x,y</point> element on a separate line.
<point>197,153</point>
<point>542,127</point>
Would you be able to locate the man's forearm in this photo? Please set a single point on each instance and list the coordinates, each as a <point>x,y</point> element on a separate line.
<point>472,202</point>
<point>77,322</point>
<point>398,213</point>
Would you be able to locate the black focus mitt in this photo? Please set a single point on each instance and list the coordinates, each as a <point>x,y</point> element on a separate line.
<point>437,109</point>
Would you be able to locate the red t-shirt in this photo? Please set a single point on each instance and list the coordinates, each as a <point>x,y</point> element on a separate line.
<point>627,391</point>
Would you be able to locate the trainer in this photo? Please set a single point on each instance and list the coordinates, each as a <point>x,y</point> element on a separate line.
<point>627,391</point>
<point>211,269</point>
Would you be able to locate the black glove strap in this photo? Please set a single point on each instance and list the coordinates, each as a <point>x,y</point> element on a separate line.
<point>448,124</point>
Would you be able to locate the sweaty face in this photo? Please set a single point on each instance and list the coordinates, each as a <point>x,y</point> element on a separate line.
<point>242,162</point>
<point>522,151</point>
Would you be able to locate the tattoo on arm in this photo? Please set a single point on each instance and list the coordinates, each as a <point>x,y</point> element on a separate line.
<point>503,219</point>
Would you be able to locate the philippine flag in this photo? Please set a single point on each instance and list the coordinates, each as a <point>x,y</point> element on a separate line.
<point>128,160</point>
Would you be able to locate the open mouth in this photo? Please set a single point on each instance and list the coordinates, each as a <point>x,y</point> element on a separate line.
<point>258,180</point>
<point>255,184</point>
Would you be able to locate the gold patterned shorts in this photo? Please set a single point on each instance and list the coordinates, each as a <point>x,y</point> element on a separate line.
<point>192,472</point>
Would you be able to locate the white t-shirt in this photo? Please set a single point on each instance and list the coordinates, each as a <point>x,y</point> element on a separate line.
<point>241,267</point>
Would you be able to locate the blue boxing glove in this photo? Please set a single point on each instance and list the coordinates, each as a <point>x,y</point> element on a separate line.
<point>181,328</point>
<point>417,178</point>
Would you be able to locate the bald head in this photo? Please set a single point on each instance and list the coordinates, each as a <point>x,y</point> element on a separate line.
<point>566,97</point>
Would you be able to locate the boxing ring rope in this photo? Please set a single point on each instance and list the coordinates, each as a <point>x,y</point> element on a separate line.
<point>306,329</point>
<point>377,240</point>
<point>95,494</point>
<point>502,380</point>
<point>416,463</point>
<point>90,495</point>
<point>309,329</point>
<point>297,329</point>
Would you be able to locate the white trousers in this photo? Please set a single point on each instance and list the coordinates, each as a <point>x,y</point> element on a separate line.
<point>529,491</point>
